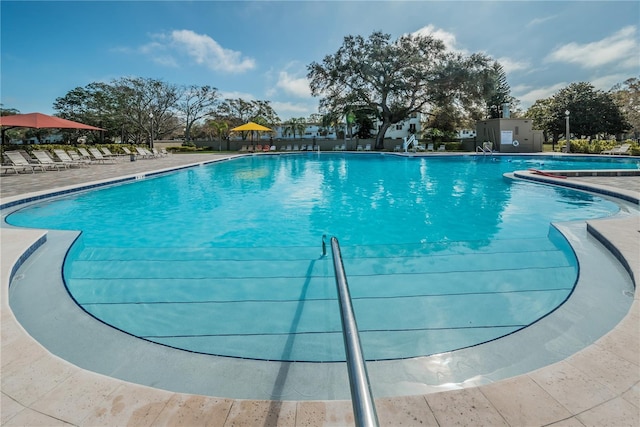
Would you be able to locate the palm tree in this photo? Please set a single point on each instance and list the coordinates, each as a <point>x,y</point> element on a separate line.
<point>221,130</point>
<point>294,125</point>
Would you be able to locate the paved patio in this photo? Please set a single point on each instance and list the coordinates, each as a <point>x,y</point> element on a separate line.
<point>597,386</point>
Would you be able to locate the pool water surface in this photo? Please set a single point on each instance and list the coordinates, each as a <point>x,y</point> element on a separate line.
<point>225,259</point>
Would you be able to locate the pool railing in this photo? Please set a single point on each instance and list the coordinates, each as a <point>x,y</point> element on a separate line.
<point>364,410</point>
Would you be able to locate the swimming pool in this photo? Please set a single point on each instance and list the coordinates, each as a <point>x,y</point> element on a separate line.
<point>270,294</point>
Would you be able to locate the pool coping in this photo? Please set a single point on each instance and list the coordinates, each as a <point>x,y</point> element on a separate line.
<point>597,383</point>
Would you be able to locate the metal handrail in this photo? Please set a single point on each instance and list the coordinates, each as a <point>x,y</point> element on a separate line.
<point>364,410</point>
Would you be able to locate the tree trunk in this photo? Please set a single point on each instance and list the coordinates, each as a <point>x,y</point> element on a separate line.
<point>380,135</point>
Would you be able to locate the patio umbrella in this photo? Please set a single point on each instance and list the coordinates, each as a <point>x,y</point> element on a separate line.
<point>40,121</point>
<point>251,126</point>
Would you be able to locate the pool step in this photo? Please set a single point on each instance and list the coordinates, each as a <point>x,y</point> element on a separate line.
<point>270,268</point>
<point>314,252</point>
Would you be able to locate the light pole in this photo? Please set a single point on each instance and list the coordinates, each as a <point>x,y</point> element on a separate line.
<point>151,133</point>
<point>566,131</point>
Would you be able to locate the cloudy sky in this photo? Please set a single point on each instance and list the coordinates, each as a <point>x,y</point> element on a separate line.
<point>260,49</point>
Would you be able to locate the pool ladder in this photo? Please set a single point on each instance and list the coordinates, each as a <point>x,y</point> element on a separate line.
<point>364,409</point>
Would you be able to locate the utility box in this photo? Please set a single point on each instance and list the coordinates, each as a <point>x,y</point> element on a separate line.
<point>509,135</point>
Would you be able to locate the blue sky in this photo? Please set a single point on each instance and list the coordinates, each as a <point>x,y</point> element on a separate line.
<point>260,50</point>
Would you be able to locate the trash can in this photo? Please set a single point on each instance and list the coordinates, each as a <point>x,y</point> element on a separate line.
<point>132,157</point>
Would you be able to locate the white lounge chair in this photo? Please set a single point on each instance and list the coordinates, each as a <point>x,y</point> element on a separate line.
<point>359,147</point>
<point>367,147</point>
<point>442,148</point>
<point>97,155</point>
<point>623,149</point>
<point>78,158</point>
<point>66,159</point>
<point>44,159</point>
<point>107,153</point>
<point>430,147</point>
<point>16,159</point>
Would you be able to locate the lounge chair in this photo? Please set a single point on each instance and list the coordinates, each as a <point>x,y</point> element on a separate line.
<point>396,148</point>
<point>66,159</point>
<point>107,153</point>
<point>296,147</point>
<point>144,153</point>
<point>164,152</point>
<point>243,149</point>
<point>359,147</point>
<point>442,148</point>
<point>272,148</point>
<point>289,147</point>
<point>6,168</point>
<point>343,147</point>
<point>45,159</point>
<point>16,159</point>
<point>78,158</point>
<point>97,155</point>
<point>266,148</point>
<point>623,149</point>
<point>127,152</point>
<point>85,154</point>
<point>430,147</point>
<point>367,147</point>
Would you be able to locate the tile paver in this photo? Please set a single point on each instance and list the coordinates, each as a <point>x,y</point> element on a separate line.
<point>597,386</point>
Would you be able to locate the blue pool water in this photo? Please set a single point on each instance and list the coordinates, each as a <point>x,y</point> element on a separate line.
<point>440,253</point>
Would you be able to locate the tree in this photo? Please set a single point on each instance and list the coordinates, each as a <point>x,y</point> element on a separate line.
<point>147,106</point>
<point>236,112</point>
<point>219,129</point>
<point>195,103</point>
<point>395,79</point>
<point>294,126</point>
<point>541,115</point>
<point>626,95</point>
<point>591,111</point>
<point>498,91</point>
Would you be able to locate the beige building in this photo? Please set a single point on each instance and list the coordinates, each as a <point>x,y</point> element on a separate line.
<point>509,135</point>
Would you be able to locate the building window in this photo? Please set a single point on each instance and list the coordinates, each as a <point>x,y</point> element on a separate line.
<point>412,127</point>
<point>399,127</point>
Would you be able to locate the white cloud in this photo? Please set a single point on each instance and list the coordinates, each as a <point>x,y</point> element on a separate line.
<point>236,95</point>
<point>201,48</point>
<point>205,50</point>
<point>605,83</point>
<point>297,86</point>
<point>538,21</point>
<point>288,110</point>
<point>449,39</point>
<point>620,49</point>
<point>509,65</point>
<point>528,95</point>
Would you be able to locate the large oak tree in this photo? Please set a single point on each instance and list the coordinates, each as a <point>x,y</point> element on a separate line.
<point>398,78</point>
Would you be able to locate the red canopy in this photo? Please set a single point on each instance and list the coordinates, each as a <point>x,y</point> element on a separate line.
<point>39,121</point>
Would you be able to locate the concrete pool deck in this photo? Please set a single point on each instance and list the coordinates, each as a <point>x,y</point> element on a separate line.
<point>596,386</point>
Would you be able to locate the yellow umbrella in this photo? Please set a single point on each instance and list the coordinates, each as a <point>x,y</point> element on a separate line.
<point>251,126</point>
